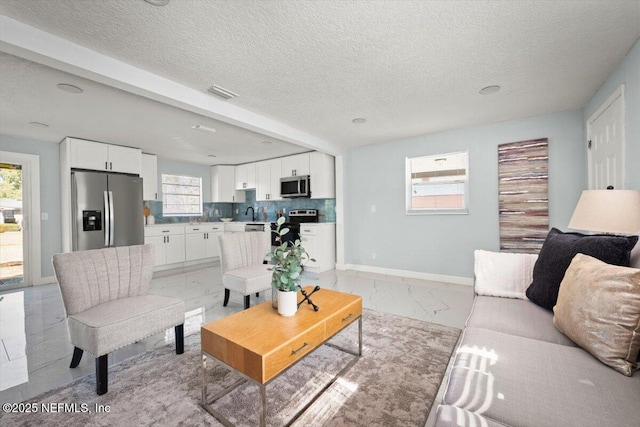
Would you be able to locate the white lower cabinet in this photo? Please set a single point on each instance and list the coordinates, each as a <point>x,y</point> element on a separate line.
<point>319,239</point>
<point>202,241</point>
<point>168,242</point>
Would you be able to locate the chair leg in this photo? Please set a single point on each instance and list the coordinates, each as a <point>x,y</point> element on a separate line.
<point>179,339</point>
<point>247,301</point>
<point>226,297</point>
<point>102,374</point>
<point>77,357</point>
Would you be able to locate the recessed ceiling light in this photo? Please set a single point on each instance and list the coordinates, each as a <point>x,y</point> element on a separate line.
<point>489,90</point>
<point>266,143</point>
<point>158,2</point>
<point>358,121</point>
<point>69,88</point>
<point>39,125</point>
<point>203,128</point>
<point>221,92</point>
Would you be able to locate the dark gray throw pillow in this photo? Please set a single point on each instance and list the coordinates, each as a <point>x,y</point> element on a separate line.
<point>559,249</point>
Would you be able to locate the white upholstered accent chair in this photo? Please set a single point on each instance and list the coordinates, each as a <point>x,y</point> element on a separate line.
<point>105,296</point>
<point>242,258</point>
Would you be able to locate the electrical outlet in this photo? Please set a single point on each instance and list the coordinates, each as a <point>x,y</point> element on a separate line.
<point>237,211</point>
<point>44,216</point>
<point>373,256</point>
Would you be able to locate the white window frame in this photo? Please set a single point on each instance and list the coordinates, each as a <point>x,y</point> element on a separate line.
<point>437,211</point>
<point>164,196</point>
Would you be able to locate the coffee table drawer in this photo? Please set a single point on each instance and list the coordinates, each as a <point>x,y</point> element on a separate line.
<point>343,318</point>
<point>291,352</point>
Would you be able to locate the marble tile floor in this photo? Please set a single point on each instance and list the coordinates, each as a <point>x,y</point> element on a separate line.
<point>35,351</point>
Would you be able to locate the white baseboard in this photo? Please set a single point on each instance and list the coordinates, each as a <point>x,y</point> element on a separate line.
<point>466,281</point>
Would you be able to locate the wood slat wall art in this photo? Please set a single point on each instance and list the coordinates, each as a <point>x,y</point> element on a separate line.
<point>523,175</point>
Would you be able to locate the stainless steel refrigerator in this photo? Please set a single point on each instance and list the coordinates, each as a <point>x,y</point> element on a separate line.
<point>106,210</point>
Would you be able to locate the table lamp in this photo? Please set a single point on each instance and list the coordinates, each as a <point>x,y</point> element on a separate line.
<point>608,211</point>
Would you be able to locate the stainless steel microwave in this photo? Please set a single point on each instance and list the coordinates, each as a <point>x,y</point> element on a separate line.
<point>295,186</point>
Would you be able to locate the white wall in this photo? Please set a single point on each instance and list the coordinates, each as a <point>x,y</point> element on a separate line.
<point>50,233</point>
<point>444,244</point>
<point>627,72</point>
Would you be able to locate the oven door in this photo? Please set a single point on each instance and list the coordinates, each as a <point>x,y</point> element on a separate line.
<point>290,237</point>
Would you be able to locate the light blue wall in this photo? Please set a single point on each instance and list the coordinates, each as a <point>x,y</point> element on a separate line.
<point>627,72</point>
<point>444,244</point>
<point>50,233</point>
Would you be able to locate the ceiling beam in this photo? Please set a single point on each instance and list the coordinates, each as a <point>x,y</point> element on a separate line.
<point>27,42</point>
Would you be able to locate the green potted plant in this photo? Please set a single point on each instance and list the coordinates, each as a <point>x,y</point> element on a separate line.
<point>288,263</point>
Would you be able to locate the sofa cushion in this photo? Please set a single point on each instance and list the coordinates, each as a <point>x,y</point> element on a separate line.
<point>503,274</point>
<point>450,416</point>
<point>559,249</point>
<point>248,280</point>
<point>520,381</point>
<point>115,324</point>
<point>599,308</point>
<point>516,317</point>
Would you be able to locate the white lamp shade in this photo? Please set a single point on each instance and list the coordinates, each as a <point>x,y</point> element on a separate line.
<point>608,211</point>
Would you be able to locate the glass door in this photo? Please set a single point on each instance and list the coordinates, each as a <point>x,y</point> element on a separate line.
<point>11,234</point>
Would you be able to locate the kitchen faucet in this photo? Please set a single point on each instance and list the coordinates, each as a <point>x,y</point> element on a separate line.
<point>253,213</point>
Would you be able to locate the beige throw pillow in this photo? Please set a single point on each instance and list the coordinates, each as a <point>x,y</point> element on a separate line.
<point>598,307</point>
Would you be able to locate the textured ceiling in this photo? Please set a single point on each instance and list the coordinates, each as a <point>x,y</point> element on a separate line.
<point>408,67</point>
<point>101,113</point>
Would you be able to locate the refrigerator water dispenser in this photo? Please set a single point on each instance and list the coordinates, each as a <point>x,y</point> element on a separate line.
<point>91,220</point>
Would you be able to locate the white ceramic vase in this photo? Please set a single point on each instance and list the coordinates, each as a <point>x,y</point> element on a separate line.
<point>287,303</point>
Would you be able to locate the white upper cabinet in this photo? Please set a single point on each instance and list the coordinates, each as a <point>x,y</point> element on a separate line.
<point>268,180</point>
<point>246,176</point>
<point>322,175</point>
<point>276,170</point>
<point>149,177</point>
<point>223,185</point>
<point>104,157</point>
<point>295,165</point>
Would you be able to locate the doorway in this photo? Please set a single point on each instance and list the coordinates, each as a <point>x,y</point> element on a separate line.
<point>29,218</point>
<point>11,220</point>
<point>606,146</point>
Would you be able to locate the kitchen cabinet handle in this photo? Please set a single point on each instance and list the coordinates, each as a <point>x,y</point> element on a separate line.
<point>167,239</point>
<point>164,239</point>
<point>110,165</point>
<point>294,352</point>
<point>106,166</point>
<point>307,231</point>
<point>196,229</point>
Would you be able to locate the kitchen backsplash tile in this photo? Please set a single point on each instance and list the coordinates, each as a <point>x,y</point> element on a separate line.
<point>268,211</point>
<point>264,211</point>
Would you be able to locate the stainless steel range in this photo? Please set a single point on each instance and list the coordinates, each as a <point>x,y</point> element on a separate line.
<point>296,217</point>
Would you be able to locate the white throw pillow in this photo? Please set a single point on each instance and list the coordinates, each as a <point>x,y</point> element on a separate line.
<point>503,274</point>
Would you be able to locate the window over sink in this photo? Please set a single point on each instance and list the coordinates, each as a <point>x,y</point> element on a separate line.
<point>181,195</point>
<point>438,183</point>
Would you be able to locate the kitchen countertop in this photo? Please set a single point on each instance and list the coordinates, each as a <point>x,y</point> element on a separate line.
<point>187,224</point>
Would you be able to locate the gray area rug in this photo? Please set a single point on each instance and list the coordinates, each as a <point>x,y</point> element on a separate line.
<point>393,384</point>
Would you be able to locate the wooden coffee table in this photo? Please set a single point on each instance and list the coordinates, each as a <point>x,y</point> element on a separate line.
<point>260,344</point>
